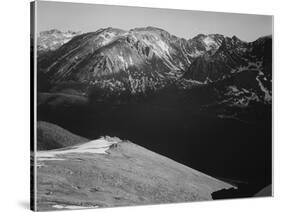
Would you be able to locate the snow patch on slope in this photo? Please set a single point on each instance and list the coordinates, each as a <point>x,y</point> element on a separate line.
<point>123,61</point>
<point>209,42</point>
<point>267,96</point>
<point>107,37</point>
<point>163,46</point>
<point>99,146</point>
<point>73,207</point>
<point>159,47</point>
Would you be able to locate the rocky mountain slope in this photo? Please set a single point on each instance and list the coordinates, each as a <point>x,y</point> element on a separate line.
<point>136,60</point>
<point>237,75</point>
<point>110,172</point>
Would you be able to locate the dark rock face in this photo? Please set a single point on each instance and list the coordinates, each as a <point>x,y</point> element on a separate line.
<point>243,192</point>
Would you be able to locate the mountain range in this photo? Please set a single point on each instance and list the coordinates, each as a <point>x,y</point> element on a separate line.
<point>134,60</point>
<point>113,63</point>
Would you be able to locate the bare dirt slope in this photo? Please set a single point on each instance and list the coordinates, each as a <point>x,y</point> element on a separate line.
<point>109,172</point>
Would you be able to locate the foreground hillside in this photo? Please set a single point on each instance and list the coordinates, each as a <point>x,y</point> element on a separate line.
<point>50,136</point>
<point>109,172</point>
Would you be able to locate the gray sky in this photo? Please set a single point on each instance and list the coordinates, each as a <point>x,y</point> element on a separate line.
<point>182,23</point>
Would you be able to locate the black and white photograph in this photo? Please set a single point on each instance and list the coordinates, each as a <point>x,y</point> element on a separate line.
<point>142,106</point>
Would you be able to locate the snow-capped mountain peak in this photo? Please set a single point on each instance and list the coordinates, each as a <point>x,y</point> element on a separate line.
<point>51,40</point>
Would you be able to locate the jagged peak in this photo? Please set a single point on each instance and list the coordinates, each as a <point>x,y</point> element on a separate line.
<point>236,40</point>
<point>112,29</point>
<point>58,32</point>
<point>205,42</point>
<point>154,30</point>
<point>234,37</point>
<point>51,31</point>
<point>202,36</point>
<point>199,36</point>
